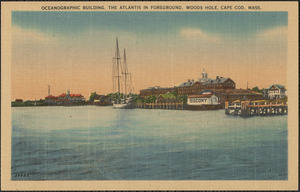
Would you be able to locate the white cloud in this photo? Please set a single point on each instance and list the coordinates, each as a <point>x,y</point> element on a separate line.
<point>27,36</point>
<point>194,34</point>
<point>106,36</point>
<point>274,34</point>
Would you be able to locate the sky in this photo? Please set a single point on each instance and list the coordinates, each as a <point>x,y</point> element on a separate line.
<point>75,50</point>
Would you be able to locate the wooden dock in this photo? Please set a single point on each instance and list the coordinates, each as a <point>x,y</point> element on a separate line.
<point>248,109</point>
<point>173,106</point>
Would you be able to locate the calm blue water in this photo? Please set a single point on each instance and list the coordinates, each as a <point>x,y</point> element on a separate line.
<point>101,143</point>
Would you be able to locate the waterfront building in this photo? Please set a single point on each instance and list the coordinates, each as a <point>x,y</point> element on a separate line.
<point>192,87</point>
<point>50,99</point>
<point>65,98</point>
<point>276,91</point>
<point>155,91</point>
<point>203,99</point>
<point>223,88</point>
<point>231,95</point>
<point>207,100</point>
<point>236,94</point>
<point>19,101</point>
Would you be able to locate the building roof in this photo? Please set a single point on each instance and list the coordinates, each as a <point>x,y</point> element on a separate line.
<point>75,95</point>
<point>206,92</point>
<point>201,96</point>
<point>50,96</point>
<point>215,81</point>
<point>63,95</point>
<point>236,92</point>
<point>157,88</point>
<point>203,81</point>
<point>278,86</point>
<point>188,83</point>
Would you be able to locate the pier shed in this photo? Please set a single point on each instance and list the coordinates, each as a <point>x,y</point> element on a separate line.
<point>206,101</point>
<point>255,108</point>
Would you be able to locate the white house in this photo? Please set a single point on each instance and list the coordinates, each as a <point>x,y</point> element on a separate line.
<point>204,99</point>
<point>276,91</point>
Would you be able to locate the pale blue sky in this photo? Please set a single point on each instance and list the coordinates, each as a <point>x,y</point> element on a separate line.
<point>229,23</point>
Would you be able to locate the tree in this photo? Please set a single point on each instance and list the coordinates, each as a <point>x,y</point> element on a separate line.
<point>256,89</point>
<point>175,93</point>
<point>92,96</point>
<point>169,96</point>
<point>115,96</point>
<point>137,98</point>
<point>150,99</point>
<point>183,98</point>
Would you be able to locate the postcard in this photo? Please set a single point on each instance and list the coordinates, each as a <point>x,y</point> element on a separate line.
<point>149,96</point>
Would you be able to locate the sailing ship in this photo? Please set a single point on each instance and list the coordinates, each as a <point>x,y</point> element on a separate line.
<point>121,77</point>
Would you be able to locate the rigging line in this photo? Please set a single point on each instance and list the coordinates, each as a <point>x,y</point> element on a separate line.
<point>130,78</point>
<point>121,66</point>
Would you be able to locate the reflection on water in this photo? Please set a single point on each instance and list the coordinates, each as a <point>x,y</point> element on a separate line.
<point>101,143</point>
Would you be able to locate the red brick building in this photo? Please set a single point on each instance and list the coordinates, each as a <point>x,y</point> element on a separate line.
<point>192,87</point>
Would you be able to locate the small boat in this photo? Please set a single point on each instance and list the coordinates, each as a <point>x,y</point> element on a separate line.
<point>120,72</point>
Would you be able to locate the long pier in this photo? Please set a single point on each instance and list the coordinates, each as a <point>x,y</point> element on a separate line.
<point>174,106</point>
<point>247,108</point>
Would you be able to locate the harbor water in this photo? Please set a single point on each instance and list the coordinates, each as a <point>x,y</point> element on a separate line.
<point>102,143</point>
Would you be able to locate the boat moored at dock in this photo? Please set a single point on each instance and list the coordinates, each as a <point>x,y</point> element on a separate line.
<point>120,72</point>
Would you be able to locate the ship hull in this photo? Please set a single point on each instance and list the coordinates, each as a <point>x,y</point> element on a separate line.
<point>123,106</point>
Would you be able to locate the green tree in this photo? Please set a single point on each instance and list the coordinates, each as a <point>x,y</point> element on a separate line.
<point>92,96</point>
<point>115,96</point>
<point>137,98</point>
<point>183,98</point>
<point>256,89</point>
<point>150,99</point>
<point>169,96</point>
<point>175,93</point>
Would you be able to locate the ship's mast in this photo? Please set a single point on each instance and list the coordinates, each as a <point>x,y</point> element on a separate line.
<point>118,63</point>
<point>125,74</point>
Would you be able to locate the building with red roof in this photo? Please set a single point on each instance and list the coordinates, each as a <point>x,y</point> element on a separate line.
<point>65,98</point>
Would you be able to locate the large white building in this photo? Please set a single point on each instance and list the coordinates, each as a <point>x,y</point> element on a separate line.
<point>276,91</point>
